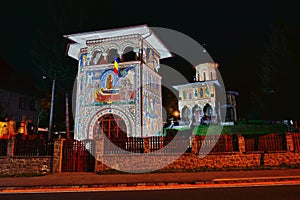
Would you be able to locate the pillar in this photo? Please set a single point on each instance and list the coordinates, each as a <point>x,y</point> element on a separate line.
<point>241,143</point>
<point>289,142</point>
<point>57,156</point>
<point>195,144</point>
<point>147,145</point>
<point>10,148</point>
<point>99,154</point>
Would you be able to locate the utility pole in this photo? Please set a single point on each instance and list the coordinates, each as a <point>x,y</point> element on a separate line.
<point>51,111</point>
<point>67,117</point>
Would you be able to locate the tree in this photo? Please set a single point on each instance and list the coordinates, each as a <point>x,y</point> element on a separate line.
<point>279,79</point>
<point>51,61</point>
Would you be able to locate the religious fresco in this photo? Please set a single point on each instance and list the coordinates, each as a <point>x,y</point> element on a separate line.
<point>105,86</point>
<point>151,99</point>
<point>150,57</point>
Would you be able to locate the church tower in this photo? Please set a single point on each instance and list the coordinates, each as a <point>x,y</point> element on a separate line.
<point>118,85</point>
<point>198,101</point>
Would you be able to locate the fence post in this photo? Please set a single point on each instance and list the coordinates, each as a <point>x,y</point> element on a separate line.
<point>99,154</point>
<point>241,143</point>
<point>195,144</point>
<point>10,152</point>
<point>146,145</point>
<point>57,156</point>
<point>289,142</point>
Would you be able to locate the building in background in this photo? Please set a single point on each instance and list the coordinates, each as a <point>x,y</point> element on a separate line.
<point>18,112</point>
<point>204,101</point>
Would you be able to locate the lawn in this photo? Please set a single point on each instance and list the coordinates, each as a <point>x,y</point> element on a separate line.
<point>243,129</point>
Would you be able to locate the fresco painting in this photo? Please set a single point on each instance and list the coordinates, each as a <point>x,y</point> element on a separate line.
<point>107,87</point>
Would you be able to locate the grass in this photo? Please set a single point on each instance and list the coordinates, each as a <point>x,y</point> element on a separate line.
<point>242,129</point>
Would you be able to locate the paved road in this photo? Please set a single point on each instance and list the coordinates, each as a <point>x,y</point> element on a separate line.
<point>291,192</point>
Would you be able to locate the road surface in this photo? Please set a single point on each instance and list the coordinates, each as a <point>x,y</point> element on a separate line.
<point>280,192</point>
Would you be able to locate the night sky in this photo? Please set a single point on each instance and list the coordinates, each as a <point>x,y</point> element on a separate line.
<point>234,34</point>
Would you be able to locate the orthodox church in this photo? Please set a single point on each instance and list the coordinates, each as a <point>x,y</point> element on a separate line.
<point>205,101</point>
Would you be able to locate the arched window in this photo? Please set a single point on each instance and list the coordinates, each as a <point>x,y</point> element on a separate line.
<point>211,76</point>
<point>128,55</point>
<point>112,55</point>
<point>204,76</point>
<point>97,58</point>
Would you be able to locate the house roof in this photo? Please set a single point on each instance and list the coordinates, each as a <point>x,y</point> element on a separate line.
<point>80,39</point>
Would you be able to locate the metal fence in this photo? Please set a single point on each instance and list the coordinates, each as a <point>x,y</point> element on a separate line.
<point>170,144</point>
<point>270,142</point>
<point>296,139</point>
<point>135,145</point>
<point>214,143</point>
<point>3,147</point>
<point>33,148</point>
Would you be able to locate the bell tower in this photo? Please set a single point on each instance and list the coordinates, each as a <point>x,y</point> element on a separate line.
<point>118,84</point>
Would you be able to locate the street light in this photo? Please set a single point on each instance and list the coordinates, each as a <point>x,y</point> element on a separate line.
<point>51,111</point>
<point>51,108</point>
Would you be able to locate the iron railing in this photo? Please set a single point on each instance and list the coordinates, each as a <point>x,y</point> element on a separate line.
<point>270,142</point>
<point>3,147</point>
<point>34,148</point>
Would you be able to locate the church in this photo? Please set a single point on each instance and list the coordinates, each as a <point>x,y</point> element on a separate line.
<point>118,87</point>
<point>205,101</point>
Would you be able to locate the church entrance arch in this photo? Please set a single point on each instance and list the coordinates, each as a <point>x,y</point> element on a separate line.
<point>114,128</point>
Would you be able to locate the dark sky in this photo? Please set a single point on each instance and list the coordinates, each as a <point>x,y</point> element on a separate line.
<point>234,32</point>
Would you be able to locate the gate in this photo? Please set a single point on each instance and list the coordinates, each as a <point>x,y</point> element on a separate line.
<point>78,156</point>
<point>114,127</point>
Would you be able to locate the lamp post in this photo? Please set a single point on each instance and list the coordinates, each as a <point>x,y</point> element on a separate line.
<point>51,111</point>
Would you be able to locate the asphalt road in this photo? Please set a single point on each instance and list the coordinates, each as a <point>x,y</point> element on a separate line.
<point>263,192</point>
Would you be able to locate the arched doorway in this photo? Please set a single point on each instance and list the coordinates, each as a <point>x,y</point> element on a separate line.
<point>186,112</point>
<point>197,112</point>
<point>207,111</point>
<point>114,127</point>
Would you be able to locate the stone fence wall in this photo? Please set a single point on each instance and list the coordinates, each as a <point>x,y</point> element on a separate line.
<point>238,158</point>
<point>24,165</point>
<point>190,162</point>
<point>12,165</point>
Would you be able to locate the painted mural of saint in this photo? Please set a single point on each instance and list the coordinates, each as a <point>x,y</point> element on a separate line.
<point>206,91</point>
<point>201,92</point>
<point>196,93</point>
<point>109,82</point>
<point>184,94</point>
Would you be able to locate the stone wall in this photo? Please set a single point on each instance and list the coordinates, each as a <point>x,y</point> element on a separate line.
<point>24,165</point>
<point>186,161</point>
<point>132,162</point>
<point>281,159</point>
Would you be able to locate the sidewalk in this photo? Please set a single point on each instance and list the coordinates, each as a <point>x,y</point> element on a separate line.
<point>85,180</point>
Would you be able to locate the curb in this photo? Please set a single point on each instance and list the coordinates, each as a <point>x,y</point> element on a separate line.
<point>162,184</point>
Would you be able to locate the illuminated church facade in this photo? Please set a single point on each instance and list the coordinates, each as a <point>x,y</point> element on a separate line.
<point>205,101</point>
<point>118,85</point>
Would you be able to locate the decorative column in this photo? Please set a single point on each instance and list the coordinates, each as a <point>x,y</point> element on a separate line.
<point>120,55</point>
<point>104,57</point>
<point>289,142</point>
